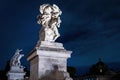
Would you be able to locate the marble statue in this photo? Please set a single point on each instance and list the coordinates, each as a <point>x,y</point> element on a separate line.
<point>48,60</point>
<point>16,71</point>
<point>15,61</point>
<point>50,21</point>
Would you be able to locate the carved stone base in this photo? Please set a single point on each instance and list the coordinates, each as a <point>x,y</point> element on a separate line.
<point>16,73</point>
<point>49,62</point>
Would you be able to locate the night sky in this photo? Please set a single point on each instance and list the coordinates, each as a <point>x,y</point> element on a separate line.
<point>89,28</point>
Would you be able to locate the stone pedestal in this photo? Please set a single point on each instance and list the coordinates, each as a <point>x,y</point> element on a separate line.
<point>16,73</point>
<point>49,62</point>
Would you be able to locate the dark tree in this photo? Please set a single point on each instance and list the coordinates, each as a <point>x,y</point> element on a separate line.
<point>3,74</point>
<point>72,71</point>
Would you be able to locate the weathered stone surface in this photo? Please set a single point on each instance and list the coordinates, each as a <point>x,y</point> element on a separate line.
<point>16,73</point>
<point>45,57</point>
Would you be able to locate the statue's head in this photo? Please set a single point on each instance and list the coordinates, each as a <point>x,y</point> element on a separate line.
<point>45,8</point>
<point>18,50</point>
<point>56,9</point>
<point>48,9</point>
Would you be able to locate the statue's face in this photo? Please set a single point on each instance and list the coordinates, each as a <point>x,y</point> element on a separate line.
<point>56,14</point>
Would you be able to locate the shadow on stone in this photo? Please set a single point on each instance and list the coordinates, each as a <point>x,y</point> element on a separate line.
<point>55,74</point>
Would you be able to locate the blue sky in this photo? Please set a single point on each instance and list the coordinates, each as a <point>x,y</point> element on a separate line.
<point>89,28</point>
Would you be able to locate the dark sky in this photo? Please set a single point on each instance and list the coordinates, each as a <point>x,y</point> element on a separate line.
<point>89,28</point>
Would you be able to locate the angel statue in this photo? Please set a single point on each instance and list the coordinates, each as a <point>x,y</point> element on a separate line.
<point>15,61</point>
<point>50,21</point>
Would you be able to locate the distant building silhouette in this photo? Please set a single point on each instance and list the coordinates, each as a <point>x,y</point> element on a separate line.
<point>100,71</point>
